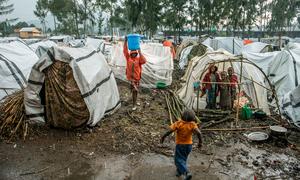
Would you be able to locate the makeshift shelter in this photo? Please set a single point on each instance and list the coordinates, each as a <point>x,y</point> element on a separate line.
<point>282,67</point>
<point>69,87</point>
<point>263,60</point>
<point>230,44</point>
<point>257,47</point>
<point>182,46</point>
<point>42,47</point>
<point>190,52</point>
<point>158,68</point>
<point>290,106</point>
<point>252,79</point>
<point>16,61</point>
<point>61,39</point>
<point>94,43</point>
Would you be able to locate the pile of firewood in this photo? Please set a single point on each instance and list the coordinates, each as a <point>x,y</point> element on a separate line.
<point>12,116</point>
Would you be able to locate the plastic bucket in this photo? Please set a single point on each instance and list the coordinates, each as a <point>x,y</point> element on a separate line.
<point>133,41</point>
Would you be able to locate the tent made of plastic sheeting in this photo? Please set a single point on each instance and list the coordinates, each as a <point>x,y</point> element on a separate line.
<point>16,61</point>
<point>230,44</point>
<point>252,83</point>
<point>257,47</point>
<point>263,60</point>
<point>284,71</point>
<point>76,43</point>
<point>182,46</point>
<point>61,39</point>
<point>191,51</point>
<point>41,47</point>
<point>94,43</point>
<point>290,106</point>
<point>70,87</point>
<point>158,68</point>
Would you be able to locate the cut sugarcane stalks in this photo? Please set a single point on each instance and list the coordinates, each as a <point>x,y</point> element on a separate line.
<point>12,116</point>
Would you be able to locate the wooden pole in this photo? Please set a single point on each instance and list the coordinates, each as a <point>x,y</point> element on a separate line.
<point>255,93</point>
<point>238,102</point>
<point>237,129</point>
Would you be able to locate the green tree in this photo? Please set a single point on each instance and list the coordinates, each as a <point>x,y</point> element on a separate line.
<point>109,6</point>
<point>6,8</point>
<point>41,12</point>
<point>174,16</point>
<point>64,13</point>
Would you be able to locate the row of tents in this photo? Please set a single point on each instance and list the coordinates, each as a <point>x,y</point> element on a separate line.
<point>60,71</point>
<point>269,78</point>
<point>69,84</point>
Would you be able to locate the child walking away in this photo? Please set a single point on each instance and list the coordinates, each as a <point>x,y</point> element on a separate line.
<point>135,60</point>
<point>184,130</point>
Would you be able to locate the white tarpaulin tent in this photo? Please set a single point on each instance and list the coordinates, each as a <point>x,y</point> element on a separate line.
<point>198,66</point>
<point>284,71</point>
<point>184,56</point>
<point>230,44</point>
<point>93,77</point>
<point>290,106</point>
<point>41,47</point>
<point>183,60</point>
<point>16,61</point>
<point>158,68</point>
<point>263,60</point>
<point>256,47</point>
<point>94,43</point>
<point>282,67</point>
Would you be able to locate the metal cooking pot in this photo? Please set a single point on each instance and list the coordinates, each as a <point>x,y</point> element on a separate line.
<point>278,130</point>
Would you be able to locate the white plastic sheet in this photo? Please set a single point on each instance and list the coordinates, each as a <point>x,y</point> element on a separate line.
<point>196,71</point>
<point>230,44</point>
<point>158,68</point>
<point>92,74</point>
<point>16,61</point>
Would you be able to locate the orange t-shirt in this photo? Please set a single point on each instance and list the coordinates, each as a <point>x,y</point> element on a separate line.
<point>184,131</point>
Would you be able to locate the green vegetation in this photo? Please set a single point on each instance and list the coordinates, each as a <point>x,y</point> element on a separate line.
<point>82,17</point>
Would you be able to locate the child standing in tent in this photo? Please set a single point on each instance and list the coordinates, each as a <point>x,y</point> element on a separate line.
<point>225,96</point>
<point>135,60</point>
<point>234,81</point>
<point>184,130</point>
<point>210,87</point>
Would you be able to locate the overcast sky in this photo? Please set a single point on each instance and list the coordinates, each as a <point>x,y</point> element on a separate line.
<point>23,10</point>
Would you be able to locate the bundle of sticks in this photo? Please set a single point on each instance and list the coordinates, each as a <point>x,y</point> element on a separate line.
<point>12,116</point>
<point>175,105</point>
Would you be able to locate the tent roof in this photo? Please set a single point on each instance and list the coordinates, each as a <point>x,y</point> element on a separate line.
<point>30,29</point>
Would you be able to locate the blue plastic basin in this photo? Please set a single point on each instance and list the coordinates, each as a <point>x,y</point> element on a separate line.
<point>133,41</point>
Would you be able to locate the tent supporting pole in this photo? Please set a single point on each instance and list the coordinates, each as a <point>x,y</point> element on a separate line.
<point>255,93</point>
<point>238,102</point>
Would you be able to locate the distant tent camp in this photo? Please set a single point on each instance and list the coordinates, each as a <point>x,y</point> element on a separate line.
<point>61,39</point>
<point>257,47</point>
<point>159,66</point>
<point>70,87</point>
<point>42,47</point>
<point>16,61</point>
<point>253,79</point>
<point>230,44</point>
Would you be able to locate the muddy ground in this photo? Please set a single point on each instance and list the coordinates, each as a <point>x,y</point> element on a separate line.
<point>126,145</point>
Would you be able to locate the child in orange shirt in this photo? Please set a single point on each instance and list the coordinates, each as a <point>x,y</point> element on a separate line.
<point>184,130</point>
